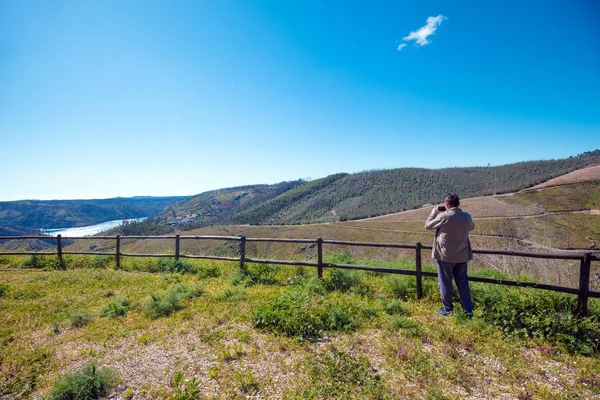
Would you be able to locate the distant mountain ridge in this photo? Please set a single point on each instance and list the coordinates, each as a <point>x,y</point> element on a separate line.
<point>337,197</point>
<point>28,216</point>
<point>344,196</point>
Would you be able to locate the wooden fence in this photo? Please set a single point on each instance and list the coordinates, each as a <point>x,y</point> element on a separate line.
<point>583,292</point>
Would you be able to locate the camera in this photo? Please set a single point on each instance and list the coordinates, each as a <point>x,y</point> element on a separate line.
<point>441,208</point>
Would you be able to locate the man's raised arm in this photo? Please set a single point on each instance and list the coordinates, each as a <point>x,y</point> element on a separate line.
<point>433,222</point>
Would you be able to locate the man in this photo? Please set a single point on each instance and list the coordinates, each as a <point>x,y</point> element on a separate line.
<point>452,250</point>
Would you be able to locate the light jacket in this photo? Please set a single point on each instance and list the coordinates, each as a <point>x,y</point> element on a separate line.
<point>451,243</point>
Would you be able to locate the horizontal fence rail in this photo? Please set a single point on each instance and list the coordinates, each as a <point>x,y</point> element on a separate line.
<point>583,292</point>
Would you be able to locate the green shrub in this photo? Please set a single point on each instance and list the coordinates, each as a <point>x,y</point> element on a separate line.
<point>401,287</point>
<point>209,271</point>
<point>230,294</point>
<point>89,383</point>
<point>540,315</point>
<point>35,261</point>
<point>336,374</point>
<point>116,308</point>
<point>171,278</point>
<point>171,265</point>
<point>342,280</point>
<point>164,302</point>
<point>405,287</point>
<point>394,307</point>
<point>40,262</point>
<point>339,257</point>
<point>246,382</point>
<point>140,264</point>
<point>3,289</point>
<point>81,318</point>
<point>102,262</point>
<point>408,327</point>
<point>254,274</point>
<point>182,390</point>
<point>298,313</point>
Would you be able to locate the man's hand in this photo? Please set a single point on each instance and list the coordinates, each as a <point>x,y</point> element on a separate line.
<point>435,211</point>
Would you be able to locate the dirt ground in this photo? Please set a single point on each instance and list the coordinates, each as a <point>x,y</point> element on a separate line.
<point>478,207</point>
<point>581,175</point>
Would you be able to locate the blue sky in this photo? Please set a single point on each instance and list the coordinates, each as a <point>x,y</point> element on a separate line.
<point>122,98</point>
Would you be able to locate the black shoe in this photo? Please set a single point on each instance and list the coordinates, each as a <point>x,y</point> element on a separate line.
<point>443,312</point>
<point>469,314</point>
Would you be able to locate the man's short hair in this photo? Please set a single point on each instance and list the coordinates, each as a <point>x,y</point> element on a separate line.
<point>452,200</point>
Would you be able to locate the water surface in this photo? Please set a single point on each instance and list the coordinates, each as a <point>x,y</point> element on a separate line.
<point>87,230</point>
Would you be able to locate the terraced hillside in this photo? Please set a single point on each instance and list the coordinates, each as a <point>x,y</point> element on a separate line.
<point>547,219</point>
<point>343,197</point>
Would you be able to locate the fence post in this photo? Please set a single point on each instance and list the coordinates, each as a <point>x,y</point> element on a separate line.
<point>177,244</point>
<point>242,250</point>
<point>59,251</point>
<point>584,285</point>
<point>118,252</point>
<point>320,257</point>
<point>419,276</point>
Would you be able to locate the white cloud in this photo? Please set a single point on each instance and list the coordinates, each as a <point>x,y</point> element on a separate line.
<point>401,46</point>
<point>420,36</point>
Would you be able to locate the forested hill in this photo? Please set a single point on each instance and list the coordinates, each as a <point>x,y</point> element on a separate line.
<point>28,216</point>
<point>367,194</point>
<point>218,206</point>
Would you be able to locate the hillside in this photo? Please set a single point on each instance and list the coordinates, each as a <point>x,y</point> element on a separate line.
<point>539,220</point>
<point>28,216</point>
<point>344,197</point>
<point>217,206</point>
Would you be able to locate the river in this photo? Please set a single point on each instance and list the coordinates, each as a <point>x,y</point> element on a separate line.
<point>86,230</point>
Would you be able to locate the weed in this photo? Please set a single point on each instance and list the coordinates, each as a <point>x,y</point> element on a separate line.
<point>263,274</point>
<point>342,280</point>
<point>230,294</point>
<point>89,383</point>
<point>144,339</point>
<point>164,302</point>
<point>340,257</point>
<point>102,262</point>
<point>128,393</point>
<point>213,372</point>
<point>209,271</point>
<point>6,336</point>
<point>26,369</point>
<point>304,315</point>
<point>229,353</point>
<point>81,318</point>
<point>336,374</point>
<point>183,390</point>
<point>436,393</point>
<point>246,382</point>
<point>405,287</point>
<point>40,262</point>
<point>540,315</point>
<point>395,307</point>
<point>116,308</point>
<point>408,327</point>
<point>171,278</point>
<point>402,287</point>
<point>4,289</point>
<point>171,265</point>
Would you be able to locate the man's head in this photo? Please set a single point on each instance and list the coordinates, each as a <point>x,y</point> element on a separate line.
<point>451,200</point>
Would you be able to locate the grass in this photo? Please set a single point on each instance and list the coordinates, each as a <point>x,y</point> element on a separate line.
<point>90,383</point>
<point>581,196</point>
<point>364,337</point>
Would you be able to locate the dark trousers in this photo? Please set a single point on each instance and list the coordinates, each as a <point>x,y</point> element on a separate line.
<point>458,271</point>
